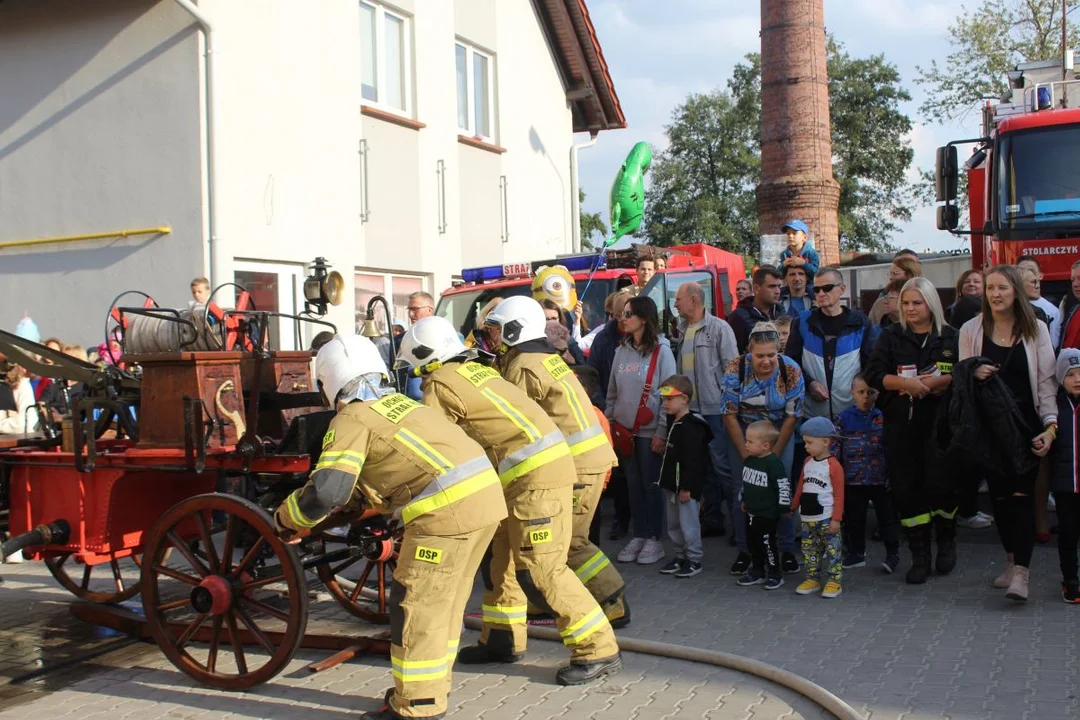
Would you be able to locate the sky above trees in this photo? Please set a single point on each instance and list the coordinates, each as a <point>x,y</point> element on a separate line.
<point>659,53</point>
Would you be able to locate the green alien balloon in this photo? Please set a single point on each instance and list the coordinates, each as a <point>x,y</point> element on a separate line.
<point>628,193</point>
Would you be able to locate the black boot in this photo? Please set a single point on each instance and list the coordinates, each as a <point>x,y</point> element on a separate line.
<point>582,673</point>
<point>387,713</point>
<point>945,530</point>
<point>919,544</point>
<point>479,654</point>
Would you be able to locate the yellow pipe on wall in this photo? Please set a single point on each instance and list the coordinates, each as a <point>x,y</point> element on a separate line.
<point>86,236</point>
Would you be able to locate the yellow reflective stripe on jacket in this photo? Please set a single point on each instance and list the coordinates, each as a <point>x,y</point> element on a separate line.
<point>350,458</point>
<point>575,404</point>
<point>584,627</point>
<point>504,614</point>
<point>586,440</point>
<point>462,481</point>
<point>426,453</point>
<point>592,566</point>
<point>512,414</point>
<point>532,456</point>
<point>924,519</point>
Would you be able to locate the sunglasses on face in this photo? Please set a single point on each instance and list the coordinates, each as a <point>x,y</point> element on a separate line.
<point>825,288</point>
<point>627,314</point>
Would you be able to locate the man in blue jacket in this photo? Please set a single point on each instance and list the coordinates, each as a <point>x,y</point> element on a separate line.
<point>832,344</point>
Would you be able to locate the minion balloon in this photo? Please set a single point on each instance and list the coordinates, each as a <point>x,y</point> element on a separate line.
<point>628,193</point>
<point>555,283</point>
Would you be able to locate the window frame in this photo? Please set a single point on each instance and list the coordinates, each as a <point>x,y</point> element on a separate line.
<point>471,51</point>
<point>381,12</point>
<point>387,291</point>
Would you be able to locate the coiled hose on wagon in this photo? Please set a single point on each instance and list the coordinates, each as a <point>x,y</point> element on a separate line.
<point>800,685</point>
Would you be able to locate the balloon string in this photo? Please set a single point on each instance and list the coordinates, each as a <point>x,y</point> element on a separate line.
<point>595,267</point>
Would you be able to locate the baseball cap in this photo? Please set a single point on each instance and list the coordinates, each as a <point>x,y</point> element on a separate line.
<point>1067,360</point>
<point>818,427</point>
<point>796,225</point>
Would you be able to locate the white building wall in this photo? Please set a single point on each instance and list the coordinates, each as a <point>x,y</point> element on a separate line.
<point>108,136</point>
<point>99,132</point>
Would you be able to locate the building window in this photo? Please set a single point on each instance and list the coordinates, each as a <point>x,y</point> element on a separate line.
<point>385,58</point>
<point>475,92</point>
<point>394,287</point>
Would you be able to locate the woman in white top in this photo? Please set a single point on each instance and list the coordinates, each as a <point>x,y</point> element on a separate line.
<point>1021,354</point>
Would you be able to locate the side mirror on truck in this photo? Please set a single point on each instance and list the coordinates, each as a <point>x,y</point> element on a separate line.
<point>948,217</point>
<point>946,175</point>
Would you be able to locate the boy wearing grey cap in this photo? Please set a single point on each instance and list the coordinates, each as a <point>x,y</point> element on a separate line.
<point>1065,470</point>
<point>819,498</point>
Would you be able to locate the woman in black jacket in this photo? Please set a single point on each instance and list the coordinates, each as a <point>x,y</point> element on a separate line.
<point>912,367</point>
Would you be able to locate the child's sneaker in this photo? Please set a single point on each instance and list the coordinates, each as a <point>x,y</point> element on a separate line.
<point>832,589</point>
<point>1070,592</point>
<point>809,586</point>
<point>774,583</point>
<point>742,563</point>
<point>689,569</point>
<point>673,567</point>
<point>891,563</point>
<point>750,579</point>
<point>854,560</point>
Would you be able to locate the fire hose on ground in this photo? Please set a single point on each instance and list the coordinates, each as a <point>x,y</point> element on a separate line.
<point>815,693</point>
<point>56,532</point>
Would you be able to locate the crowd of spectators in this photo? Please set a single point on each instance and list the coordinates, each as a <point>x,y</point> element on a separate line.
<point>811,413</point>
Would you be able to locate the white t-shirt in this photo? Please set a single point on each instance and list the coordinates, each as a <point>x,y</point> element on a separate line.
<point>1054,314</point>
<point>817,483</point>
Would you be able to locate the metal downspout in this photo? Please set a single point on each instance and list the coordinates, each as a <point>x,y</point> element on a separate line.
<point>211,164</point>
<point>575,203</point>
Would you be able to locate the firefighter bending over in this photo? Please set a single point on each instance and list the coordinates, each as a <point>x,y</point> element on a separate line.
<point>528,557</point>
<point>515,328</point>
<point>406,459</point>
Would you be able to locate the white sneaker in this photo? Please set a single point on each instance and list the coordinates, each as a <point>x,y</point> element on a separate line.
<point>14,558</point>
<point>631,551</point>
<point>978,521</point>
<point>651,553</point>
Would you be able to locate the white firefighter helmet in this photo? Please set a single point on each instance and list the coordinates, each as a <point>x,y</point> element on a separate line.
<point>346,358</point>
<point>432,339</point>
<point>520,318</point>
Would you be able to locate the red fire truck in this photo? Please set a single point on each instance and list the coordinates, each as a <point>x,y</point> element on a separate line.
<point>1023,177</point>
<point>717,271</point>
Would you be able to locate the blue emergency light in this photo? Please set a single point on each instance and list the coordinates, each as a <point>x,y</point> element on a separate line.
<point>575,264</point>
<point>480,274</point>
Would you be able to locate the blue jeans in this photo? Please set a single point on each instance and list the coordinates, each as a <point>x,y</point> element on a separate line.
<point>786,529</point>
<point>646,497</point>
<point>718,487</point>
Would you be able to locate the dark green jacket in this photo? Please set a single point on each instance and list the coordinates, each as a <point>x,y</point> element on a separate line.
<point>766,488</point>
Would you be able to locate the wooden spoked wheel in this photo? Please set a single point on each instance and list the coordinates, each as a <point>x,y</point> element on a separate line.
<point>244,586</point>
<point>361,584</point>
<point>112,582</point>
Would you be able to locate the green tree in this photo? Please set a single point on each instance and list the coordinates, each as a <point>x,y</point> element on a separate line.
<point>871,152</point>
<point>592,224</point>
<point>703,184</point>
<point>987,43</point>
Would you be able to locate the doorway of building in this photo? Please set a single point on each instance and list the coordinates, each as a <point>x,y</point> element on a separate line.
<point>277,288</point>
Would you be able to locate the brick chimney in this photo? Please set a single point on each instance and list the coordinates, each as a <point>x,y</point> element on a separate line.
<point>796,145</point>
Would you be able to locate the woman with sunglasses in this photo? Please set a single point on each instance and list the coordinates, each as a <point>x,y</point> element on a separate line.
<point>1019,348</point>
<point>912,367</point>
<point>762,385</point>
<point>643,359</point>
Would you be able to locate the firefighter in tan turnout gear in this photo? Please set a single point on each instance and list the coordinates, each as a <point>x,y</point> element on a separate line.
<point>516,325</point>
<point>409,460</point>
<point>528,557</point>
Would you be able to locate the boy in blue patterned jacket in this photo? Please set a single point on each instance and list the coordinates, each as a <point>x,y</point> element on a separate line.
<point>862,453</point>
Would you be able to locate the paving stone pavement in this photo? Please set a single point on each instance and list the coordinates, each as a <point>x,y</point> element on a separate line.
<point>951,649</point>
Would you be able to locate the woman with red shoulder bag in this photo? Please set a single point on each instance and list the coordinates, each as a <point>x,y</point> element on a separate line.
<point>633,406</point>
